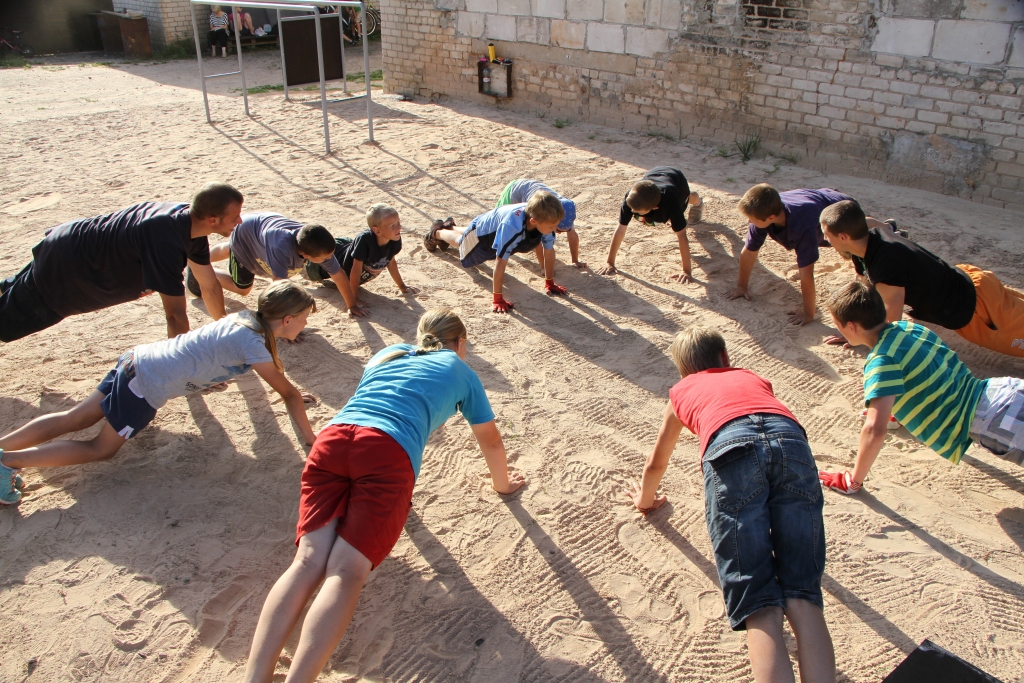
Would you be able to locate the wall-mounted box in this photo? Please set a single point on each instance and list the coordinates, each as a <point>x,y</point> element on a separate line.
<point>498,77</point>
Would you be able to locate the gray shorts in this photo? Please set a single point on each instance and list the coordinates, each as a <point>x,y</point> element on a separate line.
<point>998,423</point>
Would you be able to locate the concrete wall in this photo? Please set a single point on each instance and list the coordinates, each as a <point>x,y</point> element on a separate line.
<point>923,93</point>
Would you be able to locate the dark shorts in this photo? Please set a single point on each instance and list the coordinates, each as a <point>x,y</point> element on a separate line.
<point>363,478</point>
<point>762,505</point>
<point>127,412</point>
<point>240,275</point>
<point>317,273</point>
<point>22,309</point>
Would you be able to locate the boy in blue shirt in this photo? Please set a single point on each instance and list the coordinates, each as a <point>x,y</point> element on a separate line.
<point>519,192</point>
<point>501,232</point>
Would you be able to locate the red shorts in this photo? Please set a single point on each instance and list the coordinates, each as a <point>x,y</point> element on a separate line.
<point>363,478</point>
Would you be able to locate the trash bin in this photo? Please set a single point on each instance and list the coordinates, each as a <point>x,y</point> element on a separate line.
<point>124,33</point>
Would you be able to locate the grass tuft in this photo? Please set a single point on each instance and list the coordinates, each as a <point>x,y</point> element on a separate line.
<point>748,146</point>
<point>562,123</point>
<point>12,61</point>
<point>183,48</point>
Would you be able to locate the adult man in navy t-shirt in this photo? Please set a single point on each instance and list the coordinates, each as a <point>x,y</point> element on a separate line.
<point>93,263</point>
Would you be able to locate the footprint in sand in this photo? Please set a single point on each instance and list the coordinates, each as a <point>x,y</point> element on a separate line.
<point>214,625</point>
<point>29,204</point>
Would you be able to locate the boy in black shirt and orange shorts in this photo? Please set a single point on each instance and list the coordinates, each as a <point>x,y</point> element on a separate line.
<point>966,299</point>
<point>366,255</point>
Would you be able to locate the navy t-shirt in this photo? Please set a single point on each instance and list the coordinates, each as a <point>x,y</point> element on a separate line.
<point>364,247</point>
<point>802,231</point>
<point>675,192</point>
<point>93,263</point>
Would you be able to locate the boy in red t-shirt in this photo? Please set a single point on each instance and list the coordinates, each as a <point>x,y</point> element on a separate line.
<point>763,504</point>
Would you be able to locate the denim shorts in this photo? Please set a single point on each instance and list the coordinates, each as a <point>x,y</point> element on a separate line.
<point>126,411</point>
<point>762,505</point>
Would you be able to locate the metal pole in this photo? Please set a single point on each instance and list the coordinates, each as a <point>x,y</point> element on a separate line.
<point>241,66</point>
<point>366,68</point>
<point>280,43</point>
<point>199,56</point>
<point>323,86</point>
<point>341,36</point>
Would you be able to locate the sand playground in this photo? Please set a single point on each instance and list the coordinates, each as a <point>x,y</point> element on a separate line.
<point>153,566</point>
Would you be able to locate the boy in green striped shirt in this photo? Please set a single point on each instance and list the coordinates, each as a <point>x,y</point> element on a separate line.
<point>912,374</point>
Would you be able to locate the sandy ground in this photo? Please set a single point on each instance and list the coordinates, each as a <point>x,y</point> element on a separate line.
<point>154,566</point>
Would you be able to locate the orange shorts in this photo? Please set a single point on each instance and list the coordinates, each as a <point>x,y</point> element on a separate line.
<point>998,322</point>
<point>363,478</point>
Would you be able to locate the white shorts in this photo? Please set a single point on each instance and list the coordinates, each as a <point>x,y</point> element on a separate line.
<point>467,243</point>
<point>998,423</point>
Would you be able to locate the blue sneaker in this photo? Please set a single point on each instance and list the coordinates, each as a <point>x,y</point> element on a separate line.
<point>9,493</point>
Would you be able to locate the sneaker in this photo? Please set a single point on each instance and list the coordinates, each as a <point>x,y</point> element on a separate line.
<point>9,493</point>
<point>696,213</point>
<point>430,240</point>
<point>892,224</point>
<point>192,284</point>
<point>19,483</point>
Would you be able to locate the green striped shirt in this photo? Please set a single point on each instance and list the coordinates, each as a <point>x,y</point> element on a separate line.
<point>936,393</point>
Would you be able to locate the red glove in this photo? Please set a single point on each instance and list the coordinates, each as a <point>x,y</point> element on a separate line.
<point>839,481</point>
<point>500,305</point>
<point>551,288</point>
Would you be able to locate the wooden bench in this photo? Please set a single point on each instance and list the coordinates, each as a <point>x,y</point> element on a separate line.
<point>252,41</point>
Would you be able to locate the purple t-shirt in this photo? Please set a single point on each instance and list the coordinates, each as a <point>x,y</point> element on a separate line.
<point>802,231</point>
<point>266,244</point>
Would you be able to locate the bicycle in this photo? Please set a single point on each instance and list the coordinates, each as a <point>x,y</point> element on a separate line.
<point>14,45</point>
<point>372,21</point>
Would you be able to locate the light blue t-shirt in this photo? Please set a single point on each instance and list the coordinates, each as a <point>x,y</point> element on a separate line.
<point>265,243</point>
<point>411,396</point>
<point>199,359</point>
<point>521,190</point>
<point>508,225</point>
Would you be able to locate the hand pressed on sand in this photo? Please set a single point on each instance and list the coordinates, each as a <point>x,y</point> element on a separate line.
<point>738,292</point>
<point>683,278</point>
<point>636,494</point>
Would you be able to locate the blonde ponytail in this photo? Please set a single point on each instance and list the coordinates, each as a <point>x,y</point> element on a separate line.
<point>280,299</point>
<point>436,328</point>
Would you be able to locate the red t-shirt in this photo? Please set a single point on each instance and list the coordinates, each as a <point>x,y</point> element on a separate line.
<point>704,401</point>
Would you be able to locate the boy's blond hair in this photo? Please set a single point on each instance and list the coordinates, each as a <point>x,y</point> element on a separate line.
<point>697,348</point>
<point>376,214</point>
<point>545,207</point>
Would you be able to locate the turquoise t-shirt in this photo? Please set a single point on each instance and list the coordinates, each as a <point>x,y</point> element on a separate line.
<point>936,394</point>
<point>411,396</point>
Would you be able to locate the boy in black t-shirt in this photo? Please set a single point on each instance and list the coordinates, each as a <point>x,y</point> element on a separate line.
<point>660,197</point>
<point>366,256</point>
<point>966,299</point>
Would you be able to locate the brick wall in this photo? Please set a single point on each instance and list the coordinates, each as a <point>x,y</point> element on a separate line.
<point>922,94</point>
<point>169,20</point>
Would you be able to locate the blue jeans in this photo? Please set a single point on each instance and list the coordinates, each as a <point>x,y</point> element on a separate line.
<point>762,505</point>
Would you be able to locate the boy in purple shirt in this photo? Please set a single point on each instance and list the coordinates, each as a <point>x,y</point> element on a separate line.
<point>791,219</point>
<point>275,247</point>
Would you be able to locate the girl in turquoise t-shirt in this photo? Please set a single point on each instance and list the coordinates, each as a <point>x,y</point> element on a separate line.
<point>357,488</point>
